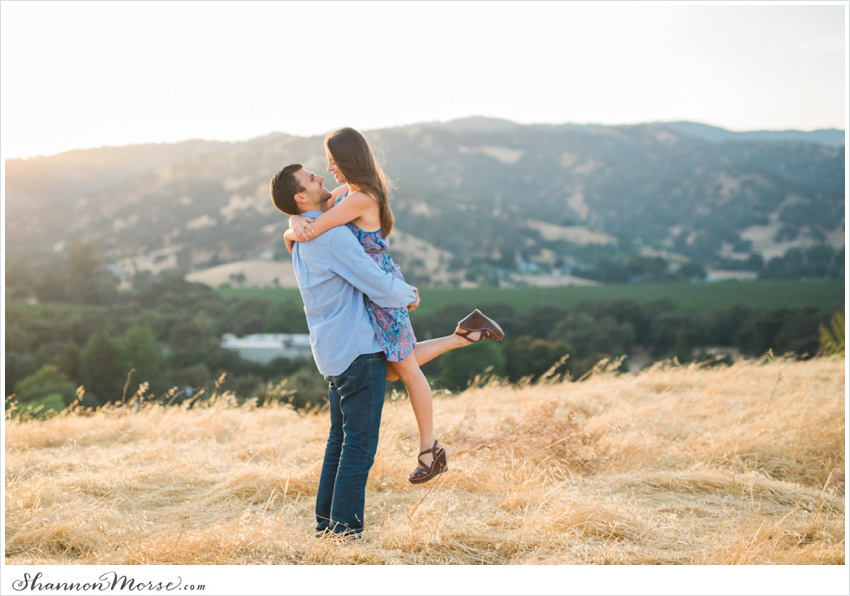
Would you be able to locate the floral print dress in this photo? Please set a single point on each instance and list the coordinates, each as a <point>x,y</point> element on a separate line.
<point>392,325</point>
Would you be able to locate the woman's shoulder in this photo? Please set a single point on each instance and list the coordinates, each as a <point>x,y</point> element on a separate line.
<point>360,196</point>
<point>339,191</point>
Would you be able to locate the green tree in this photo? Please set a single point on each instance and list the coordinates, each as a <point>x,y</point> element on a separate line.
<point>88,281</point>
<point>190,333</point>
<point>304,388</point>
<point>51,283</point>
<point>246,316</point>
<point>799,333</point>
<point>642,268</point>
<point>681,345</point>
<point>143,354</point>
<point>819,259</point>
<point>588,335</point>
<point>47,380</point>
<point>726,326</point>
<point>676,333</point>
<point>286,317</point>
<point>67,359</point>
<point>103,367</point>
<point>761,330</point>
<point>19,365</point>
<point>532,357</point>
<point>83,263</point>
<point>191,379</point>
<point>691,271</point>
<point>460,367</point>
<point>538,321</point>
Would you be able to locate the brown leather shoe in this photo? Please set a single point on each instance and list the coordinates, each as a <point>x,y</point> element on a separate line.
<point>478,321</point>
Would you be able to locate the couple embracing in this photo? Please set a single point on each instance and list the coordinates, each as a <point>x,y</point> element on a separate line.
<point>358,311</point>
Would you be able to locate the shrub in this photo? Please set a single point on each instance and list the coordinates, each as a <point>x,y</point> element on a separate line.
<point>46,381</point>
<point>832,338</point>
<point>460,367</point>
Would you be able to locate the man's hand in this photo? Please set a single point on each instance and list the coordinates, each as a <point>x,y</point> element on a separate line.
<point>414,305</point>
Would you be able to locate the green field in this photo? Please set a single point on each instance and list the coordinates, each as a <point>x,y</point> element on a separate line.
<point>699,297</point>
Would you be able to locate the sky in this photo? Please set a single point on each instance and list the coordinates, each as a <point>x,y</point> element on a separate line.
<point>90,74</point>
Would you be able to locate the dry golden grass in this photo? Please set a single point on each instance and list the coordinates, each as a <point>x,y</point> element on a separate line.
<point>677,465</point>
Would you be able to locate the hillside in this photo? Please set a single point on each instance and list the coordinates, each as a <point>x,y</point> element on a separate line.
<point>740,465</point>
<point>39,182</point>
<point>604,202</point>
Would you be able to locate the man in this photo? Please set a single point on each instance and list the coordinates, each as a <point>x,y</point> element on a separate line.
<point>334,273</point>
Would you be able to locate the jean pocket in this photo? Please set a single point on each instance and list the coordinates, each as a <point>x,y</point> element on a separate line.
<point>346,384</point>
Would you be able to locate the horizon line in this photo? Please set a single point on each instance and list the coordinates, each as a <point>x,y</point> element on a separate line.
<point>421,123</point>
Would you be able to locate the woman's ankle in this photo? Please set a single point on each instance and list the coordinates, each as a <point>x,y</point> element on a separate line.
<point>471,338</point>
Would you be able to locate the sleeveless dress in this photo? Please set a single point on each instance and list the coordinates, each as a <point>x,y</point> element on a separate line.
<point>392,325</point>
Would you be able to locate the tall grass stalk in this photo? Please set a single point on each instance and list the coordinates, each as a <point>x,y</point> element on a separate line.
<point>676,465</point>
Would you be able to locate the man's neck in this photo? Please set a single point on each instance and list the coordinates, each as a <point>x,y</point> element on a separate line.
<point>321,208</point>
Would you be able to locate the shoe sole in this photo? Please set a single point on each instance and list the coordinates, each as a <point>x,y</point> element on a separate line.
<point>424,479</point>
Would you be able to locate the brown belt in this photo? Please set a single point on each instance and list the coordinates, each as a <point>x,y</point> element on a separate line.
<point>374,251</point>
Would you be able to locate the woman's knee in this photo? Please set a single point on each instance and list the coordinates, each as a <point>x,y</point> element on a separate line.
<point>391,374</point>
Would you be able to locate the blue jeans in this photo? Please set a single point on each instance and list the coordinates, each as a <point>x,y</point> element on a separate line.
<point>356,402</point>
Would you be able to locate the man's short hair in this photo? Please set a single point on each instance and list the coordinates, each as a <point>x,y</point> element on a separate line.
<point>283,187</point>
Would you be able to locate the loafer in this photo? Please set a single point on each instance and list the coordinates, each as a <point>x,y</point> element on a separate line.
<point>478,321</point>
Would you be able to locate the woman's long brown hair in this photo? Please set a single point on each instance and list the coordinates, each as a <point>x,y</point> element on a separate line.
<point>354,156</point>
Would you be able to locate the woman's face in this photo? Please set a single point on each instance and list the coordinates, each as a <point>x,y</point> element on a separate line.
<point>334,169</point>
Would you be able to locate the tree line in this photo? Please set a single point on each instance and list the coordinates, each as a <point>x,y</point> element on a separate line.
<point>68,325</point>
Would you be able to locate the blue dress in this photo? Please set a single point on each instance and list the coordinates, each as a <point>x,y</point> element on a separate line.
<point>392,325</point>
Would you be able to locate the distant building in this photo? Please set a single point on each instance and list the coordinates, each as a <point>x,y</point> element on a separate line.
<point>265,347</point>
<point>715,275</point>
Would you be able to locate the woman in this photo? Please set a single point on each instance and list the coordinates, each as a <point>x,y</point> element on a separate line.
<point>362,203</point>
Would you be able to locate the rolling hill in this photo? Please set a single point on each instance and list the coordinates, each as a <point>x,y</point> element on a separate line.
<point>476,200</point>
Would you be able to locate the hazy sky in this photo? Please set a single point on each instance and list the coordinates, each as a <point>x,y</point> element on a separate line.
<point>86,74</point>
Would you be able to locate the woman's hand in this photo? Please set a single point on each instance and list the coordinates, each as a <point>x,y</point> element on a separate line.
<point>414,305</point>
<point>301,226</point>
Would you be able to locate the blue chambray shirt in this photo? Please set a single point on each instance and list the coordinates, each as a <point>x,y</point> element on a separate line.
<point>333,273</point>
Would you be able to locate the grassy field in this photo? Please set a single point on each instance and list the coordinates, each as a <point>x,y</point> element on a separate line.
<point>701,297</point>
<point>731,466</point>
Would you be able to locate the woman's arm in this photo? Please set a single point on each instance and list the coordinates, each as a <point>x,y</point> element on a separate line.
<point>354,206</point>
<point>298,227</point>
<point>302,224</point>
<point>290,237</point>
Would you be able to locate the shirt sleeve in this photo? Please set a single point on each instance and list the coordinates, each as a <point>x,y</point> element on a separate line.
<point>352,264</point>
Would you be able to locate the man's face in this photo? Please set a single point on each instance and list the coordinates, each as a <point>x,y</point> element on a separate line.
<point>314,193</point>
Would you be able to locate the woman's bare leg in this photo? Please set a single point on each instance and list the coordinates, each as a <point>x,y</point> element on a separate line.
<point>421,398</point>
<point>429,349</point>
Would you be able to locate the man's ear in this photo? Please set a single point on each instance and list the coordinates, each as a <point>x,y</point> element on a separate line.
<point>301,200</point>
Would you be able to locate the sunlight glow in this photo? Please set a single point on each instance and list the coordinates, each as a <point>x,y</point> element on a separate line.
<point>78,74</point>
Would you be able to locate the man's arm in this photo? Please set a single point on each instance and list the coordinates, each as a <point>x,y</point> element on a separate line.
<point>356,267</point>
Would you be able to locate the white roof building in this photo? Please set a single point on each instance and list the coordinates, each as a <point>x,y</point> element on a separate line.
<point>265,347</point>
